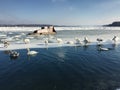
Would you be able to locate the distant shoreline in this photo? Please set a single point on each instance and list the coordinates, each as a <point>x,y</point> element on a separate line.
<point>42,25</point>
<point>114,24</point>
<point>23,25</point>
<point>31,29</point>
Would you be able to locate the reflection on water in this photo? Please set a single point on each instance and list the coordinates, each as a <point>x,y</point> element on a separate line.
<point>85,47</point>
<point>62,68</point>
<point>7,52</point>
<point>13,58</point>
<point>30,56</point>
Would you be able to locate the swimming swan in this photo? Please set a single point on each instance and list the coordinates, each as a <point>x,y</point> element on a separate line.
<point>14,54</point>
<point>31,52</point>
<point>103,49</point>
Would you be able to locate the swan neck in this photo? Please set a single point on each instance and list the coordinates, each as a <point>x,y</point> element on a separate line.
<point>28,49</point>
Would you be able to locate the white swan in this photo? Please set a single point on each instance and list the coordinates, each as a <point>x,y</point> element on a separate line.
<point>70,42</point>
<point>46,42</point>
<point>115,39</point>
<point>6,44</point>
<point>59,40</point>
<point>77,40</point>
<point>26,41</point>
<point>31,52</point>
<point>86,41</point>
<point>99,41</point>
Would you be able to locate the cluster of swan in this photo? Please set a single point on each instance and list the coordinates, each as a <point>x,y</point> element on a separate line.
<point>86,41</point>
<point>29,52</point>
<point>115,39</point>
<point>14,54</point>
<point>47,40</point>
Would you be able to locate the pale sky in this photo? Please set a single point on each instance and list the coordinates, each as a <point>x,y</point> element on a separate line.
<point>59,12</point>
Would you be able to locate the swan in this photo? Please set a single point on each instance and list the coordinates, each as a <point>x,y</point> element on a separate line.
<point>6,44</point>
<point>26,41</point>
<point>99,41</point>
<point>59,40</point>
<point>77,40</point>
<point>115,39</point>
<point>31,52</point>
<point>70,42</point>
<point>46,42</point>
<point>86,40</point>
<point>13,54</point>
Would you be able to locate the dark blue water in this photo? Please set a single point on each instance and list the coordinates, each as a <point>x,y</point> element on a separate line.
<point>62,68</point>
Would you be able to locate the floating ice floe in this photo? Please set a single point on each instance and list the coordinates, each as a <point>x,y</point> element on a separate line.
<point>60,40</point>
<point>22,45</point>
